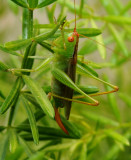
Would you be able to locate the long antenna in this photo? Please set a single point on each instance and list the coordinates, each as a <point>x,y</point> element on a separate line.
<point>75,15</point>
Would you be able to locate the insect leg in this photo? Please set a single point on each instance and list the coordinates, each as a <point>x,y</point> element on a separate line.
<point>57,116</point>
<point>58,120</point>
<point>77,101</point>
<point>115,89</point>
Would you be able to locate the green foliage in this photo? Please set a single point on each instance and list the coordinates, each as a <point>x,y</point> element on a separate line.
<point>28,129</point>
<point>32,121</point>
<point>40,96</point>
<point>21,3</point>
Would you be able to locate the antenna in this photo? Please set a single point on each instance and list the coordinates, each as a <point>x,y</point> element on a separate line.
<point>75,15</point>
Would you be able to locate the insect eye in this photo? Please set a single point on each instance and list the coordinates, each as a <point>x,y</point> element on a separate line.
<point>71,39</point>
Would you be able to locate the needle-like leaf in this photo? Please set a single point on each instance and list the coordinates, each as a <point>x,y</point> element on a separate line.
<point>21,3</point>
<point>11,98</point>
<point>40,95</point>
<point>18,44</point>
<point>13,140</point>
<point>32,121</point>
<point>44,3</point>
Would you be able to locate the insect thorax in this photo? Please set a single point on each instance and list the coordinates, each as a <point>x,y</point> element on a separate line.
<point>62,47</point>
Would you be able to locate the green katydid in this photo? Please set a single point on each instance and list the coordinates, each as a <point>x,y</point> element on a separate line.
<point>64,65</point>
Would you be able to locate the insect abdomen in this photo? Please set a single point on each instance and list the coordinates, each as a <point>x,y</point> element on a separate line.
<point>57,87</point>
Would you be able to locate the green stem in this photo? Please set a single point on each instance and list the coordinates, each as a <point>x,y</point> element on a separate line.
<point>27,32</point>
<point>27,26</point>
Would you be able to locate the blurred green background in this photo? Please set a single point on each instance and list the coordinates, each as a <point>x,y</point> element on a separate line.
<point>105,129</point>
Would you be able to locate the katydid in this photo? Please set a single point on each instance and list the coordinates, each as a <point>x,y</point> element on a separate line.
<point>64,64</point>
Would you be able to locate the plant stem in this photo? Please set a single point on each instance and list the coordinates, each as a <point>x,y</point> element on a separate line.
<point>27,26</point>
<point>27,32</point>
